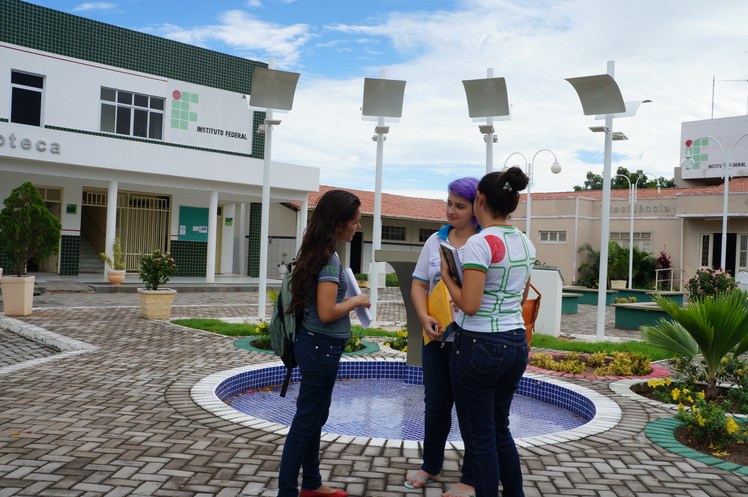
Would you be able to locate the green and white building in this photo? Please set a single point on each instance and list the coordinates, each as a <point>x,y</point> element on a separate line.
<point>130,135</point>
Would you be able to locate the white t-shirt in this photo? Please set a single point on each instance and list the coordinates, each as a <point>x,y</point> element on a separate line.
<point>507,256</point>
<point>428,267</point>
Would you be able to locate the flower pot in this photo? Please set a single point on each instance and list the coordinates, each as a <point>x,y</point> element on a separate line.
<point>18,295</point>
<point>116,276</point>
<point>618,284</point>
<point>156,304</point>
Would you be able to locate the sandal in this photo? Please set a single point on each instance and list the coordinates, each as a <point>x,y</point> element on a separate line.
<point>419,481</point>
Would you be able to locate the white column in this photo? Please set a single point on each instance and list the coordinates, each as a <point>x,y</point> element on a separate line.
<point>301,221</point>
<point>111,221</point>
<point>243,240</point>
<point>210,269</point>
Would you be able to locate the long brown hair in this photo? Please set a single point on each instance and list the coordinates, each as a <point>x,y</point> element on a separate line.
<point>333,210</point>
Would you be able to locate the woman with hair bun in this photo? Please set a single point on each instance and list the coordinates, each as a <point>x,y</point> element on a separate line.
<point>490,351</point>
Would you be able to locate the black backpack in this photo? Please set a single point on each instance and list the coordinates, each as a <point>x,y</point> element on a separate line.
<point>283,330</point>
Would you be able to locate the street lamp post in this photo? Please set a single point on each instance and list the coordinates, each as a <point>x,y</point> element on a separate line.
<point>382,98</point>
<point>271,89</point>
<point>726,165</point>
<point>632,205</point>
<point>529,166</point>
<point>487,99</point>
<point>600,95</point>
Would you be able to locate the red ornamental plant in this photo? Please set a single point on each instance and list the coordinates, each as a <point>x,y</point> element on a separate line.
<point>708,282</point>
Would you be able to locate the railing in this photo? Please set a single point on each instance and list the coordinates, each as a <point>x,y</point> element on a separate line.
<point>670,279</point>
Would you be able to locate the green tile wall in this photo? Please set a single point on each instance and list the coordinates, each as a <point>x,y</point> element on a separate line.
<point>41,28</point>
<point>191,257</point>
<point>253,252</point>
<point>3,259</point>
<point>69,254</point>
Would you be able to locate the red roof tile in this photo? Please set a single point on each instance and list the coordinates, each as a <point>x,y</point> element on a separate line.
<point>426,209</point>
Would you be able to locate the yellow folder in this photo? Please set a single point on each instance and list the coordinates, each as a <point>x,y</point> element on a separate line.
<point>439,306</point>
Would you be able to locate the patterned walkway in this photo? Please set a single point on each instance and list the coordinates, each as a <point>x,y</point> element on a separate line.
<point>113,416</point>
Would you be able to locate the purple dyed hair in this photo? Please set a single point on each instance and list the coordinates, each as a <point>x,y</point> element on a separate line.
<point>466,188</point>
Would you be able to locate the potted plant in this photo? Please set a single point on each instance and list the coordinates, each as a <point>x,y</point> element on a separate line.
<point>156,270</point>
<point>28,231</point>
<point>116,264</point>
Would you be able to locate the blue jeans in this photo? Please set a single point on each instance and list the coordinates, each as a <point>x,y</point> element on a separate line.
<point>437,389</point>
<point>486,369</point>
<point>318,356</point>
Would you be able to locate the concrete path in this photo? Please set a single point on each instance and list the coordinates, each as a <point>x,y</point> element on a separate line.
<point>112,416</point>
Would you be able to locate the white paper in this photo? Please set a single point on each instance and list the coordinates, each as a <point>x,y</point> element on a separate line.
<point>363,313</point>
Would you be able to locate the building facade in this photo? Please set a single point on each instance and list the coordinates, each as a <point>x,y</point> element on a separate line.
<point>133,136</point>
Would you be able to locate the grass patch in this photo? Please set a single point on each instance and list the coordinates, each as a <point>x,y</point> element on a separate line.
<point>248,329</point>
<point>632,346</point>
<point>220,327</point>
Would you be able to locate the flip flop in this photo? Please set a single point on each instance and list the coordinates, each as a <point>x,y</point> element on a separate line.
<point>419,481</point>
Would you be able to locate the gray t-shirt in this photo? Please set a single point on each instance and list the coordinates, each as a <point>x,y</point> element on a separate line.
<point>340,328</point>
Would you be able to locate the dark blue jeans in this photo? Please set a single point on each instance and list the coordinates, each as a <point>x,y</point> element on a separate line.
<point>486,369</point>
<point>318,356</point>
<point>437,389</point>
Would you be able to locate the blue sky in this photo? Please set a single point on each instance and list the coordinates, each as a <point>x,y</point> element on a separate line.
<point>669,51</point>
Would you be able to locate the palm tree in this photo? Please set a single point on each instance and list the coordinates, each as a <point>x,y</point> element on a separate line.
<point>710,327</point>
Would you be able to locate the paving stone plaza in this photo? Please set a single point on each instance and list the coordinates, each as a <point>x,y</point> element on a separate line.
<point>113,415</point>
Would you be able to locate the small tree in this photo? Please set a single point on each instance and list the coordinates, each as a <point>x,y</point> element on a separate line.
<point>27,228</point>
<point>713,327</point>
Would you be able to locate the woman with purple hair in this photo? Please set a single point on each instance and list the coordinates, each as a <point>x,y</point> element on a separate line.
<point>438,396</point>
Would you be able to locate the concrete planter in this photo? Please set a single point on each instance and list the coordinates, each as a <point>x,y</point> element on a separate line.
<point>156,304</point>
<point>633,316</point>
<point>18,295</point>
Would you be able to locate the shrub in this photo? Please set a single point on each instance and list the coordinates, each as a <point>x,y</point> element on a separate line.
<point>708,282</point>
<point>400,342</point>
<point>391,280</point>
<point>157,269</point>
<point>626,300</point>
<point>707,422</point>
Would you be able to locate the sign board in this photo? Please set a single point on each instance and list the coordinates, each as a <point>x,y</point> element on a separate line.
<point>714,143</point>
<point>193,223</point>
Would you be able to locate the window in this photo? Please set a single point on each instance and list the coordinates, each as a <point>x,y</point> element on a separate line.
<point>393,233</point>
<point>26,98</point>
<point>742,252</point>
<point>132,114</point>
<point>424,234</point>
<point>553,237</point>
<point>642,241</point>
<point>706,250</point>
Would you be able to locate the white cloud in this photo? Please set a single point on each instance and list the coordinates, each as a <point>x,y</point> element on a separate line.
<point>254,3</point>
<point>88,6</point>
<point>247,35</point>
<point>666,51</point>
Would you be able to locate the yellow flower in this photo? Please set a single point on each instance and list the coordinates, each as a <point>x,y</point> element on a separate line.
<point>675,393</point>
<point>690,399</point>
<point>732,426</point>
<point>720,453</point>
<point>740,372</point>
<point>681,407</point>
<point>700,419</point>
<point>668,381</point>
<point>701,395</point>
